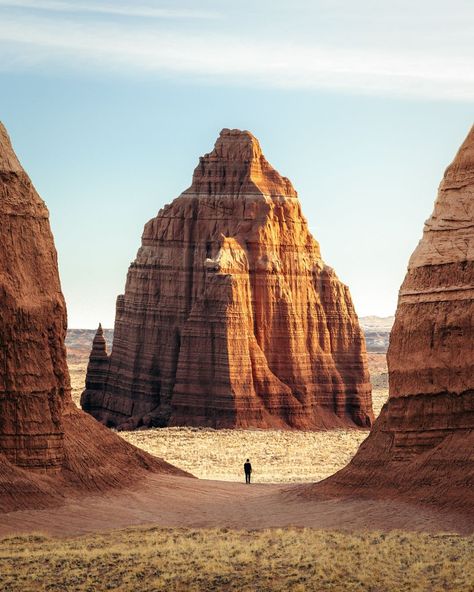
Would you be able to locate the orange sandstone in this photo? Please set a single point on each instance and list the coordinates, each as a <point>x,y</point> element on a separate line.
<point>230,317</point>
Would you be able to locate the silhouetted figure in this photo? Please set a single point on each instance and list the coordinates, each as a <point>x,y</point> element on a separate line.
<point>247,471</point>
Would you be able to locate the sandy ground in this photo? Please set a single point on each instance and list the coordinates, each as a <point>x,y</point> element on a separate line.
<point>185,502</point>
<point>216,533</point>
<point>277,456</point>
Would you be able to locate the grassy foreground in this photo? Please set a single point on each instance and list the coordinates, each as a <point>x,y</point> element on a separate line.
<point>201,560</point>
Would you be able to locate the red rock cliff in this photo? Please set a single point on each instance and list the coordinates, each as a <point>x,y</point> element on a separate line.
<point>230,318</point>
<point>48,447</point>
<point>422,446</point>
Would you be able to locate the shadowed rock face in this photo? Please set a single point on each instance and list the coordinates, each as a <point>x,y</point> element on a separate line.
<point>422,445</point>
<point>33,372</point>
<point>230,318</point>
<point>47,446</point>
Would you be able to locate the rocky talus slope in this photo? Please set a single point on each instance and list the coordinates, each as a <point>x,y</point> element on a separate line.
<point>48,448</point>
<point>230,317</point>
<point>422,446</point>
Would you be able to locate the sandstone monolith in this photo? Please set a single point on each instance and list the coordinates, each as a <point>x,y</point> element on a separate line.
<point>230,317</point>
<point>422,446</point>
<point>48,447</point>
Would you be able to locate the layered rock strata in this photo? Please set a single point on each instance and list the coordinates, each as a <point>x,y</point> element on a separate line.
<point>422,446</point>
<point>230,317</point>
<point>48,447</point>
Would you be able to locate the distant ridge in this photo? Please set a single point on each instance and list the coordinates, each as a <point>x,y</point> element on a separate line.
<point>374,322</point>
<point>376,330</point>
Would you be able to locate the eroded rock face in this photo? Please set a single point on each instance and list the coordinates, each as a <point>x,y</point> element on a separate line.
<point>422,446</point>
<point>47,445</point>
<point>230,318</point>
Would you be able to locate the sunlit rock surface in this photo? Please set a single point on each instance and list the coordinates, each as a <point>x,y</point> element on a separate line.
<point>230,317</point>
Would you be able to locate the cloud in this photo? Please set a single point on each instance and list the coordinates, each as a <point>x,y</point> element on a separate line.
<point>109,9</point>
<point>230,58</point>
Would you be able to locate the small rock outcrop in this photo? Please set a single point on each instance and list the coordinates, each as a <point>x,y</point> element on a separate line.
<point>98,361</point>
<point>422,446</point>
<point>48,447</point>
<point>230,317</point>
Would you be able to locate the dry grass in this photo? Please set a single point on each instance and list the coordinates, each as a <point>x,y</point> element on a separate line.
<point>276,455</point>
<point>201,560</point>
<point>77,372</point>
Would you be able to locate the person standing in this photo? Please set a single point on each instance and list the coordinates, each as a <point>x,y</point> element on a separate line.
<point>247,470</point>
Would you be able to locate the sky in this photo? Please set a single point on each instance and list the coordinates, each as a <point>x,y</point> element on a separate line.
<point>361,104</point>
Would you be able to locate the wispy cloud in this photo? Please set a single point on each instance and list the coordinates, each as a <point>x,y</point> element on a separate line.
<point>134,10</point>
<point>229,58</point>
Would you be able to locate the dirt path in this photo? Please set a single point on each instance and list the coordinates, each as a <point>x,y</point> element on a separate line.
<point>182,502</point>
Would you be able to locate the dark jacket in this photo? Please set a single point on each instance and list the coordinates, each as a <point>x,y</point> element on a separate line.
<point>247,468</point>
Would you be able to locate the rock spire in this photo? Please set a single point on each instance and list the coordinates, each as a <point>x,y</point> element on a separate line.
<point>422,446</point>
<point>230,317</point>
<point>48,447</point>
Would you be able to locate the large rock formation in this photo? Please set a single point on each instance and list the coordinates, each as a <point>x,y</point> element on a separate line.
<point>422,446</point>
<point>230,318</point>
<point>48,447</point>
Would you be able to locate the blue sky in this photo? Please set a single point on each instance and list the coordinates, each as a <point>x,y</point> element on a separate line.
<point>361,104</point>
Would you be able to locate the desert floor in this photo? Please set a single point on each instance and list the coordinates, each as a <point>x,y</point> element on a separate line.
<point>213,533</point>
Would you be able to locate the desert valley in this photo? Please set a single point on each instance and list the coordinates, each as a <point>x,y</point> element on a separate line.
<point>121,450</point>
<point>279,455</point>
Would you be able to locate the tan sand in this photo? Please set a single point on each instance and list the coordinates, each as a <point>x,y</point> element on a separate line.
<point>183,502</point>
